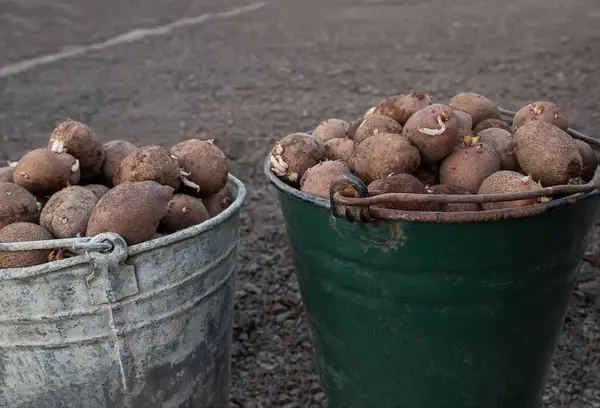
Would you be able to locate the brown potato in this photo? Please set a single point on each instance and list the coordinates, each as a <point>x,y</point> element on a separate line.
<point>384,154</point>
<point>6,174</point>
<point>331,129</point>
<point>501,141</point>
<point>492,123</point>
<point>184,211</point>
<point>23,232</point>
<point>81,142</point>
<point>217,203</point>
<point>317,180</point>
<point>293,155</point>
<point>43,172</point>
<point>507,181</point>
<point>547,153</point>
<point>131,209</point>
<point>478,106</point>
<point>589,160</point>
<point>116,151</point>
<point>467,168</point>
<point>98,189</point>
<point>67,212</point>
<point>16,205</point>
<point>375,124</point>
<point>205,164</point>
<point>150,163</point>
<point>544,111</point>
<point>445,189</point>
<point>434,131</point>
<point>399,183</point>
<point>403,106</point>
<point>339,149</point>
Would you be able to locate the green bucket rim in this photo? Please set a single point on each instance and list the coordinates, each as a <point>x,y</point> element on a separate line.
<point>362,211</point>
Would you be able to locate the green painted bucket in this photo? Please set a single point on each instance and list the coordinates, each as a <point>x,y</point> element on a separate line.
<point>435,310</point>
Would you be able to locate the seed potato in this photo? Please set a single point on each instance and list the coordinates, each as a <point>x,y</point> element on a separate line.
<point>16,205</point>
<point>23,232</point>
<point>184,211</point>
<point>434,131</point>
<point>205,166</point>
<point>467,168</point>
<point>67,212</point>
<point>131,209</point>
<point>403,106</point>
<point>81,142</point>
<point>293,155</point>
<point>547,153</point>
<point>384,154</point>
<point>317,179</point>
<point>43,172</point>
<point>478,106</point>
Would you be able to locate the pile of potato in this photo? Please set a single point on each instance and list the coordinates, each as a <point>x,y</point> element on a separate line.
<point>409,144</point>
<point>79,187</point>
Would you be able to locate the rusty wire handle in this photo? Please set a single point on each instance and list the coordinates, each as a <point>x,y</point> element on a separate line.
<point>388,198</point>
<point>337,198</point>
<point>352,185</point>
<point>95,244</point>
<point>573,133</point>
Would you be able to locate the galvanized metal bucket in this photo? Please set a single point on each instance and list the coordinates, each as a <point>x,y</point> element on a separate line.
<point>148,325</point>
<point>413,309</point>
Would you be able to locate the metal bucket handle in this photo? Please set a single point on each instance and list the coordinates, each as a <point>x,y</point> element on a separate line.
<point>110,280</point>
<point>358,189</point>
<point>349,198</point>
<point>99,243</point>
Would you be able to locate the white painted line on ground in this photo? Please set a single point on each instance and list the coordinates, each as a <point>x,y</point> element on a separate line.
<point>128,37</point>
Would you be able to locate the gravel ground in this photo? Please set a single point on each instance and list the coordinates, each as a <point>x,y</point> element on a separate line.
<point>248,80</point>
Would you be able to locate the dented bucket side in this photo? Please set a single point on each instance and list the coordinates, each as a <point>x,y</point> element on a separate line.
<point>151,328</point>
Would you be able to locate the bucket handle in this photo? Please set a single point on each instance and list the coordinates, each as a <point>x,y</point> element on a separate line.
<point>94,244</point>
<point>353,185</point>
<point>349,198</point>
<point>111,278</point>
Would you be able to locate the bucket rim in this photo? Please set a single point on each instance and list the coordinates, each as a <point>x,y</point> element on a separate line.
<point>235,187</point>
<point>364,213</point>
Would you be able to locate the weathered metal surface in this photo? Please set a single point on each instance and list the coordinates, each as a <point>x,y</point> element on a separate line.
<point>143,326</point>
<point>434,312</point>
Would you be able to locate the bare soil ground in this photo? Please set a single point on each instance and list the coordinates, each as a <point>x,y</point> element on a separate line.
<point>250,79</point>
